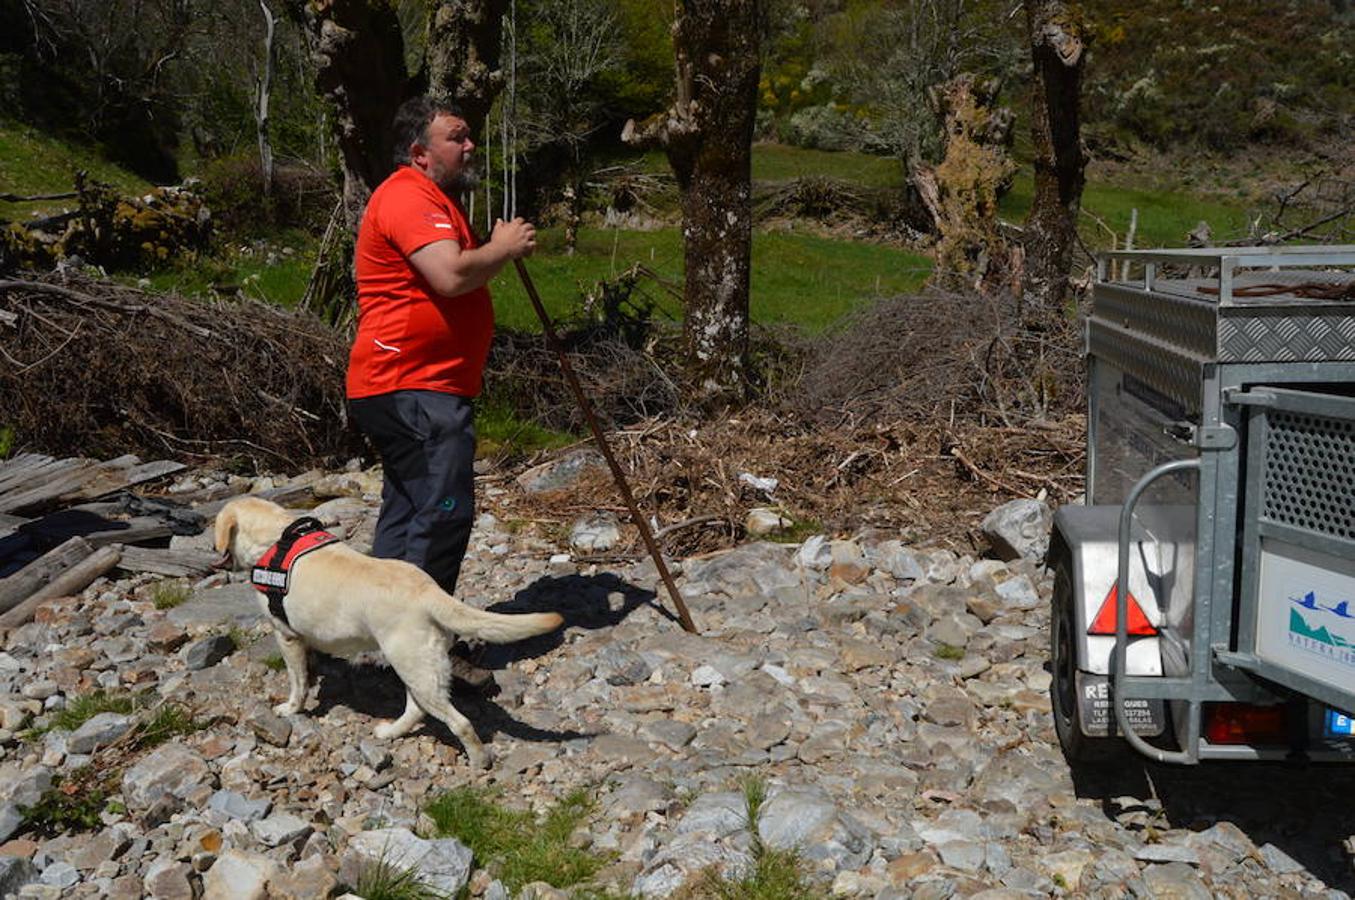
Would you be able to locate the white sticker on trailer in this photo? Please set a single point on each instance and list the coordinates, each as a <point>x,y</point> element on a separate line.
<point>1306,613</point>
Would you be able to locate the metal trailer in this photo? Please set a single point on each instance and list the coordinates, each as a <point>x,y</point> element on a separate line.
<point>1221,503</point>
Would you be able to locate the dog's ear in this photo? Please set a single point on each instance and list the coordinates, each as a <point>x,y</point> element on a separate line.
<point>225,528</point>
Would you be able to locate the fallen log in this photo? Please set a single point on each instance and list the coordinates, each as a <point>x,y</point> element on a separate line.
<point>171,563</point>
<point>71,582</point>
<point>41,571</point>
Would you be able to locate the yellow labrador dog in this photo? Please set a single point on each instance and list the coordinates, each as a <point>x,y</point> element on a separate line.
<point>342,602</point>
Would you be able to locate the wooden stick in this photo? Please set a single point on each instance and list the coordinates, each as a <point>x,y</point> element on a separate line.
<point>21,585</point>
<point>640,522</point>
<point>70,582</point>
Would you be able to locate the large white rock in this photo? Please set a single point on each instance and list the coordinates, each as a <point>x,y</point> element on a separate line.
<point>1020,529</point>
<point>237,875</point>
<point>443,864</point>
<point>596,533</point>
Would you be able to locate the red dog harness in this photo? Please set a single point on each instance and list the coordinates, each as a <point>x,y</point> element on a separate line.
<point>273,572</point>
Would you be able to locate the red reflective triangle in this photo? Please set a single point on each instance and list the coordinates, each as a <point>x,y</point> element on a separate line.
<point>1139,626</point>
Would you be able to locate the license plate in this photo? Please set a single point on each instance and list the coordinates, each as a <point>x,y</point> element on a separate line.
<point>1339,725</point>
<point>1148,718</point>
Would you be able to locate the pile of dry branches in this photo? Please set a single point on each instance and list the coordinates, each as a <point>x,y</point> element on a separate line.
<point>918,417</point>
<point>91,368</point>
<point>913,480</point>
<point>939,356</point>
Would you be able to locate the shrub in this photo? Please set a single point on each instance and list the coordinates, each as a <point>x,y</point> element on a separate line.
<point>71,804</point>
<point>824,128</point>
<point>302,196</point>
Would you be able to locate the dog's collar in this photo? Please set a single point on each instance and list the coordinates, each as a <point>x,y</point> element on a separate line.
<point>272,574</point>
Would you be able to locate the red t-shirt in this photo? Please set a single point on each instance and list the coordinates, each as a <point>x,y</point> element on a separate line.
<point>410,337</point>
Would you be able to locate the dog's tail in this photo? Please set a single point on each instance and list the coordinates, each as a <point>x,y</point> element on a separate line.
<point>494,628</point>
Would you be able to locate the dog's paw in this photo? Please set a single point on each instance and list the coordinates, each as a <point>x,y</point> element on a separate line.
<point>287,709</point>
<point>387,730</point>
<point>480,759</point>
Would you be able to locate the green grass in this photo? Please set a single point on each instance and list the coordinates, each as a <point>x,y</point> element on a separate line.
<point>274,662</point>
<point>781,162</point>
<point>72,803</point>
<point>1165,217</point>
<point>383,880</point>
<point>80,710</point>
<point>169,594</point>
<point>155,725</point>
<point>247,269</point>
<point>498,429</point>
<point>169,720</point>
<point>32,162</point>
<point>777,162</point>
<point>799,279</point>
<point>799,531</point>
<point>948,652</point>
<point>518,847</point>
<point>774,875</point>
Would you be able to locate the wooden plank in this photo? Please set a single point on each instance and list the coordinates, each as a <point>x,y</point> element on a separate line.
<point>10,524</point>
<point>110,477</point>
<point>282,496</point>
<point>138,531</point>
<point>72,581</point>
<point>97,528</point>
<point>45,491</point>
<point>78,480</point>
<point>33,470</point>
<point>42,571</point>
<point>172,563</point>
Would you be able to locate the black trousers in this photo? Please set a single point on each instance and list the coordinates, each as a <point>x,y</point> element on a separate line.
<point>427,444</point>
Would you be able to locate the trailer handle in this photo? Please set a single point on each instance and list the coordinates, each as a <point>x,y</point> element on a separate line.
<point>1122,617</point>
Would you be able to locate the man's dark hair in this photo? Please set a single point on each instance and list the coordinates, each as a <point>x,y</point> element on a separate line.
<point>412,120</point>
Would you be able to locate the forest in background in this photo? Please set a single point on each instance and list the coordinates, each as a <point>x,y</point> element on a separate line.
<point>1237,116</point>
<point>169,88</point>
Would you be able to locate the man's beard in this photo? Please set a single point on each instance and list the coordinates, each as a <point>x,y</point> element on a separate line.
<point>455,184</point>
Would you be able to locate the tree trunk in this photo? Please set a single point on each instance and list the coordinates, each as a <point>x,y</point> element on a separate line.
<point>1057,42</point>
<point>708,136</point>
<point>360,69</point>
<point>961,192</point>
<point>261,106</point>
<point>463,56</point>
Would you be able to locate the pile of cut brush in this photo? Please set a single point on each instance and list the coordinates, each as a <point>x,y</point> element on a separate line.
<point>94,368</point>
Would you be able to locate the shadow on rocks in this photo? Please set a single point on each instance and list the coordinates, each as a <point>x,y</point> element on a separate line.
<point>1302,810</point>
<point>375,691</point>
<point>597,601</point>
<point>585,601</point>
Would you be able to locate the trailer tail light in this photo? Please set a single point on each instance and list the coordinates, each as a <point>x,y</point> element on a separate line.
<point>1104,623</point>
<point>1245,723</point>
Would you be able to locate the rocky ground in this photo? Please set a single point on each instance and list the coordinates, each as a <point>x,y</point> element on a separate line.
<point>894,699</point>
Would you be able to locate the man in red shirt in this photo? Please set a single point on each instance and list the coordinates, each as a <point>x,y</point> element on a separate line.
<point>425,321</point>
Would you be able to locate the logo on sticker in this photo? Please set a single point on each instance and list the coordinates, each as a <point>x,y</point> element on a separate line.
<point>1309,632</point>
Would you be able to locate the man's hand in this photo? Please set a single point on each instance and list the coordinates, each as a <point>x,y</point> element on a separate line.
<point>451,271</point>
<point>516,239</point>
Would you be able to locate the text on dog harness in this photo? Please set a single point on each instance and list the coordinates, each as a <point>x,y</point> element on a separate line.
<point>272,573</point>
